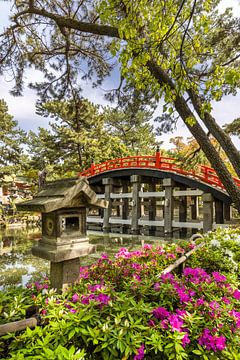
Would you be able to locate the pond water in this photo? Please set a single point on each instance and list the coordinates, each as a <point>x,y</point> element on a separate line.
<point>18,266</point>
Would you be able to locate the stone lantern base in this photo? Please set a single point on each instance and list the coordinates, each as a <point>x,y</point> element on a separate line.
<point>64,262</point>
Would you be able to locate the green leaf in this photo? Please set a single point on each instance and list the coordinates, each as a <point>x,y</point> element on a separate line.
<point>197,352</point>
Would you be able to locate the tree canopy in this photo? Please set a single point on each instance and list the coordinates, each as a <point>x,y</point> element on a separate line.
<point>184,52</point>
<point>11,142</point>
<point>82,133</point>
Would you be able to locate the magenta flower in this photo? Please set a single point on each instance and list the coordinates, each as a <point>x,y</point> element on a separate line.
<point>175,322</point>
<point>151,323</point>
<point>136,277</point>
<point>226,300</point>
<point>214,305</point>
<point>103,299</point>
<point>136,266</point>
<point>236,294</point>
<point>83,272</point>
<point>180,250</point>
<point>210,342</point>
<point>75,298</point>
<point>185,340</point>
<point>164,324</point>
<point>220,342</point>
<point>167,277</point>
<point>73,311</point>
<point>181,313</point>
<point>95,287</point>
<point>147,247</point>
<point>156,286</point>
<point>140,353</point>
<point>160,313</point>
<point>218,277</point>
<point>170,256</point>
<point>87,298</point>
<point>200,302</point>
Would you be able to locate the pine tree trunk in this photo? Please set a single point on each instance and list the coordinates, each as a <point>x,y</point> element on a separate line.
<point>219,134</point>
<point>198,133</point>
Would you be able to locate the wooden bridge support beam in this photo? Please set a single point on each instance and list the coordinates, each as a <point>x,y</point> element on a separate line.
<point>136,203</point>
<point>108,182</point>
<point>227,213</point>
<point>194,207</point>
<point>125,202</point>
<point>168,206</point>
<point>207,212</point>
<point>183,211</point>
<point>219,216</point>
<point>152,209</point>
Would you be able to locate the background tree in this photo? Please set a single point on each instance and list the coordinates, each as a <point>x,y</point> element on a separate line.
<point>132,122</point>
<point>78,135</point>
<point>12,139</point>
<point>183,51</point>
<point>190,155</point>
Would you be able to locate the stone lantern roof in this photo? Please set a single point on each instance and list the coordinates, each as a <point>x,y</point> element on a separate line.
<point>63,194</point>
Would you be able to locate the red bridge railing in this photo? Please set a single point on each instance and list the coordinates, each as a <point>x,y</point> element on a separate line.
<point>202,172</point>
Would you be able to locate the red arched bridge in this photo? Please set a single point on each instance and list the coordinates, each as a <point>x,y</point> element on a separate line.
<point>202,173</point>
<point>156,192</point>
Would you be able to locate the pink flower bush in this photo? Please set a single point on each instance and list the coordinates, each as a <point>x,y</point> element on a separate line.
<point>125,309</point>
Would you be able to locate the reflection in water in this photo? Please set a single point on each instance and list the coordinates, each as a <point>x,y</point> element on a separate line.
<point>18,266</point>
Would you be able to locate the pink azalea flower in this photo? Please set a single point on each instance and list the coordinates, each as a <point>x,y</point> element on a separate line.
<point>140,353</point>
<point>156,286</point>
<point>185,340</point>
<point>75,298</point>
<point>103,299</point>
<point>151,323</point>
<point>175,322</point>
<point>164,324</point>
<point>236,294</point>
<point>226,300</point>
<point>214,305</point>
<point>160,313</point>
<point>215,343</point>
<point>218,277</point>
<point>147,247</point>
<point>200,302</point>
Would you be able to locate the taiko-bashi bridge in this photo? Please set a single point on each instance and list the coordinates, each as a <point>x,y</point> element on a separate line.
<point>153,195</point>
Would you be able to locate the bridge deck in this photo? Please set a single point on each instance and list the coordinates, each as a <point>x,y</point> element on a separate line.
<point>202,173</point>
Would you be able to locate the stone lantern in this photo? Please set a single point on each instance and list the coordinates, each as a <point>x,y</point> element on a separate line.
<point>63,207</point>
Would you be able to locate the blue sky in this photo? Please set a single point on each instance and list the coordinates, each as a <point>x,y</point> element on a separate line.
<point>23,108</point>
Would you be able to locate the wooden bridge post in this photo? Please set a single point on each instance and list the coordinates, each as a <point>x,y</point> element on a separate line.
<point>136,203</point>
<point>108,182</point>
<point>183,211</point>
<point>219,212</point>
<point>168,206</point>
<point>194,207</point>
<point>152,209</point>
<point>207,212</point>
<point>125,202</point>
<point>227,212</point>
